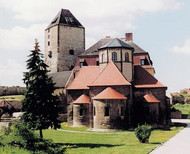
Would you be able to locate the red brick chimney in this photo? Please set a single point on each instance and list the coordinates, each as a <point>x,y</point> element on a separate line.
<point>128,36</point>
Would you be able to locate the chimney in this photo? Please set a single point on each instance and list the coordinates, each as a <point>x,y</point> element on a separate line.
<point>128,36</point>
<point>108,37</point>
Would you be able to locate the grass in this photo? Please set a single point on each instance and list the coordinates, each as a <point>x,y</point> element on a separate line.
<point>80,141</point>
<point>13,97</point>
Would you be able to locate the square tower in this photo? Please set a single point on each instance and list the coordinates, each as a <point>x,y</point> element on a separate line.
<point>64,42</point>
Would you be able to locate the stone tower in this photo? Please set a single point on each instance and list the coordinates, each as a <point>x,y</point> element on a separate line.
<point>64,42</point>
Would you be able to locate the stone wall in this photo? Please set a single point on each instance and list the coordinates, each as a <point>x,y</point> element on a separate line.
<point>114,119</point>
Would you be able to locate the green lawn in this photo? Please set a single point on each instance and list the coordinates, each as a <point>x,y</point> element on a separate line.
<point>85,142</point>
<point>13,97</point>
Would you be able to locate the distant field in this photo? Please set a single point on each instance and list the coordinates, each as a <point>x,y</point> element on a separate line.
<point>13,97</point>
<point>184,108</point>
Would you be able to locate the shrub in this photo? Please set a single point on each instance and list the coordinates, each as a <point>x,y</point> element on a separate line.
<point>143,133</point>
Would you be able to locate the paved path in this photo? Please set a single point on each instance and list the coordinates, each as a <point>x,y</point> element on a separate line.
<point>179,144</point>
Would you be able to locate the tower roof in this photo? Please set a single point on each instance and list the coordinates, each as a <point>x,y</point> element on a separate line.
<point>110,76</point>
<point>83,99</point>
<point>109,93</point>
<point>116,43</point>
<point>65,17</point>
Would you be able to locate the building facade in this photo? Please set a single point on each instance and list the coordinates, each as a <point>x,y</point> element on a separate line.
<point>111,85</point>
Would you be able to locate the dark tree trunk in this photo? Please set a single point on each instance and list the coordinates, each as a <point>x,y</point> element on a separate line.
<point>41,134</point>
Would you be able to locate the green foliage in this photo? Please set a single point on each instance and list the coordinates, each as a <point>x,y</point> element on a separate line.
<point>39,105</point>
<point>143,133</point>
<point>19,135</point>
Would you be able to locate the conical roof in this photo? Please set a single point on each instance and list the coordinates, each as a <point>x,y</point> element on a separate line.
<point>83,99</point>
<point>109,93</point>
<point>110,76</point>
<point>65,17</point>
<point>116,43</point>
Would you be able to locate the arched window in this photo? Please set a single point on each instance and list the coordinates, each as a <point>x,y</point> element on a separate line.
<point>114,56</point>
<point>107,111</point>
<point>102,57</point>
<point>127,57</point>
<point>81,111</point>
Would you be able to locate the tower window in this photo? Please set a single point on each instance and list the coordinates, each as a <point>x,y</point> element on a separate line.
<point>66,19</point>
<point>48,43</point>
<point>48,30</point>
<point>71,52</point>
<point>127,57</point>
<point>50,54</point>
<point>107,111</point>
<point>48,36</point>
<point>94,111</point>
<point>114,56</point>
<point>102,57</point>
<point>97,63</point>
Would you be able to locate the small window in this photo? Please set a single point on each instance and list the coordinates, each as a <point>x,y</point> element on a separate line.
<point>71,19</point>
<point>97,63</point>
<point>142,62</point>
<point>127,57</point>
<point>114,56</point>
<point>102,57</point>
<point>81,64</point>
<point>48,36</point>
<point>94,111</point>
<point>48,30</point>
<point>71,52</point>
<point>81,112</point>
<point>107,112</point>
<point>48,43</point>
<point>50,54</point>
<point>122,111</point>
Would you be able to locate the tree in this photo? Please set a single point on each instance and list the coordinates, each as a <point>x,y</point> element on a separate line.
<point>39,105</point>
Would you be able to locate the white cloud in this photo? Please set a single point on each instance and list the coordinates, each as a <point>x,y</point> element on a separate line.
<point>11,73</point>
<point>182,49</point>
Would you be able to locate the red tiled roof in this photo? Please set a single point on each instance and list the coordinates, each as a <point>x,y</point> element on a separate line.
<point>150,99</point>
<point>82,99</point>
<point>143,79</point>
<point>4,103</point>
<point>110,76</point>
<point>109,93</point>
<point>86,75</point>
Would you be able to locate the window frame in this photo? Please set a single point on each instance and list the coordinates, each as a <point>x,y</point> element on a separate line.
<point>114,56</point>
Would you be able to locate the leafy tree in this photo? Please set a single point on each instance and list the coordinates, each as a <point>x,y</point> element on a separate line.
<point>39,105</point>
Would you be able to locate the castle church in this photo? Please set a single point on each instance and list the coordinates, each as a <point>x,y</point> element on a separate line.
<point>111,85</point>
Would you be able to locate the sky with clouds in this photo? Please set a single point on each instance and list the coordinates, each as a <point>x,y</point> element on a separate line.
<point>160,27</point>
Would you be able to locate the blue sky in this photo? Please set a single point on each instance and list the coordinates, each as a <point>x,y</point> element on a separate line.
<point>160,27</point>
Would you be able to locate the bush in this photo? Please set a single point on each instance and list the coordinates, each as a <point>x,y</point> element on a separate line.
<point>143,133</point>
<point>19,135</point>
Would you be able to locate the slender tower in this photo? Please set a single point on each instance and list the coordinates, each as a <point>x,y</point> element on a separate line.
<point>64,42</point>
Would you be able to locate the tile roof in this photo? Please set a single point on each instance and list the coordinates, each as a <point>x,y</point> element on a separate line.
<point>116,43</point>
<point>85,76</point>
<point>150,99</point>
<point>110,76</point>
<point>109,93</point>
<point>143,79</point>
<point>61,78</point>
<point>4,103</point>
<point>93,50</point>
<point>83,99</point>
<point>65,17</point>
